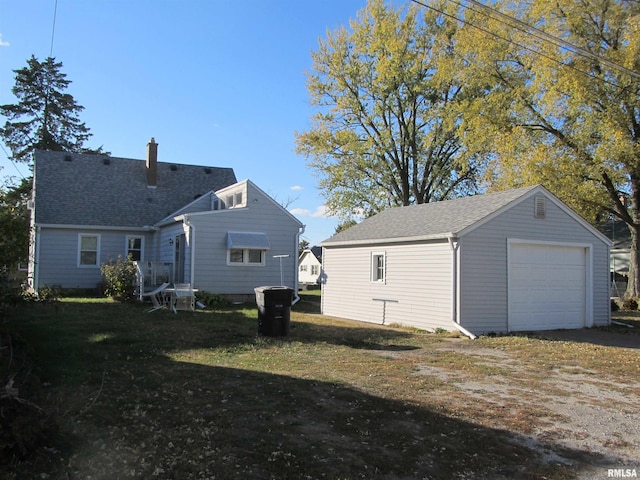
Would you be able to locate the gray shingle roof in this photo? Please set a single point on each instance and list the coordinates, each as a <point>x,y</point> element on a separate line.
<point>89,191</point>
<point>429,220</point>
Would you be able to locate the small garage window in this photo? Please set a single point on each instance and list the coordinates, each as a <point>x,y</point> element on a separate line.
<point>378,267</point>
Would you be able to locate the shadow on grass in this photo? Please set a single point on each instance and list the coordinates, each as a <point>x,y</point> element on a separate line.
<point>605,336</point>
<point>132,412</point>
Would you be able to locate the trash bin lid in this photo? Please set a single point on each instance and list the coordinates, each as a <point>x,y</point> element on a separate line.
<point>269,288</point>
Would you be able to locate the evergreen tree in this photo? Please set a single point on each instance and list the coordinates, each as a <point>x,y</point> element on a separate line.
<point>45,117</point>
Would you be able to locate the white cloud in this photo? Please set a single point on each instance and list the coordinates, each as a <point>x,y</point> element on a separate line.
<point>320,212</point>
<point>2,42</point>
<point>303,212</point>
<point>297,188</point>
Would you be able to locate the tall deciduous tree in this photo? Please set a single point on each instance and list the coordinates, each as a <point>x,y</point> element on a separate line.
<point>45,117</point>
<point>385,133</point>
<point>566,115</point>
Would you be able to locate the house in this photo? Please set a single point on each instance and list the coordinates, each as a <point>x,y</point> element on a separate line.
<point>620,235</point>
<point>310,266</point>
<point>517,260</point>
<point>218,234</point>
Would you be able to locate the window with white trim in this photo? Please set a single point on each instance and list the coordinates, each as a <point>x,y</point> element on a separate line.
<point>233,200</point>
<point>88,250</point>
<point>315,269</point>
<point>378,267</point>
<point>134,247</point>
<point>245,256</point>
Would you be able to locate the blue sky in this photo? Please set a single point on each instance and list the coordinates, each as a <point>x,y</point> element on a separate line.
<point>215,82</point>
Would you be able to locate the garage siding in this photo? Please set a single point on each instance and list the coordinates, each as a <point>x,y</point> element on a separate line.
<point>417,289</point>
<point>483,263</point>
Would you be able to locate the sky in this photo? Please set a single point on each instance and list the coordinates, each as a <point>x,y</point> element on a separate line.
<point>216,82</point>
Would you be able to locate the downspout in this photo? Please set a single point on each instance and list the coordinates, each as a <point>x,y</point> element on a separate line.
<point>296,297</point>
<point>454,288</point>
<point>192,235</point>
<point>36,260</point>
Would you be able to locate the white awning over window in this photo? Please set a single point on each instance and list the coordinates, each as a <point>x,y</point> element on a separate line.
<point>257,241</point>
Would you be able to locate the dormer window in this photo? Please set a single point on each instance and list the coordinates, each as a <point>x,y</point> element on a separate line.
<point>233,200</point>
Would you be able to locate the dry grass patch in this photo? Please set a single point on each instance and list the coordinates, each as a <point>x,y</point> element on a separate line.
<point>200,395</point>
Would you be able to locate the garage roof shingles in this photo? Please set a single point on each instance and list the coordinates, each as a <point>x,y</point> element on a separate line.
<point>87,190</point>
<point>429,220</point>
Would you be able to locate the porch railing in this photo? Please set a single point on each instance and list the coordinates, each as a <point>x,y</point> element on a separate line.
<point>151,274</point>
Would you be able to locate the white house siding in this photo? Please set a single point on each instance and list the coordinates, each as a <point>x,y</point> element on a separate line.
<point>262,215</point>
<point>58,256</point>
<point>309,260</point>
<point>417,288</point>
<point>483,263</point>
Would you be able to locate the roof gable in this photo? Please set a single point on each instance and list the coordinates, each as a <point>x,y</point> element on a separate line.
<point>313,253</point>
<point>82,189</point>
<point>449,218</point>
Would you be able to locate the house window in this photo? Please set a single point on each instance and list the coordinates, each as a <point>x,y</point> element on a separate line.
<point>245,256</point>
<point>88,250</point>
<point>315,269</point>
<point>233,200</point>
<point>134,248</point>
<point>247,248</point>
<point>378,267</point>
<point>303,268</point>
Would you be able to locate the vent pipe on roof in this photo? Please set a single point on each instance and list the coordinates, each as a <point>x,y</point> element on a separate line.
<point>152,163</point>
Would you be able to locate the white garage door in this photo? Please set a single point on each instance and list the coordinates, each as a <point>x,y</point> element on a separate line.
<point>547,287</point>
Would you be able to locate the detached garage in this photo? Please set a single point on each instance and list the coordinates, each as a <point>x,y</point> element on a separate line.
<point>517,260</point>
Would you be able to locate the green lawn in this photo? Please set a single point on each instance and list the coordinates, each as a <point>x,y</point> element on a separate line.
<point>200,395</point>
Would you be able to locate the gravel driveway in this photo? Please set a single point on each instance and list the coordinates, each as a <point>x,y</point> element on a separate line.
<point>575,408</point>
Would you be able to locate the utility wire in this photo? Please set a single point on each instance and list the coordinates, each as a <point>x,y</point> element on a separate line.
<point>12,161</point>
<point>53,28</point>
<point>551,38</point>
<point>525,47</point>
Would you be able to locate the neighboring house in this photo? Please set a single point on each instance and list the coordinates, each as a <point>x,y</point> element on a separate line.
<point>310,266</point>
<point>215,233</point>
<point>618,232</point>
<point>517,260</point>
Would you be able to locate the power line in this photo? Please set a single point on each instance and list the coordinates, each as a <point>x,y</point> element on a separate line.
<point>525,47</point>
<point>12,161</point>
<point>559,42</point>
<point>53,28</point>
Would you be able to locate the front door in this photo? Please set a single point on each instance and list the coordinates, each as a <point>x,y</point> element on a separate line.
<point>180,258</point>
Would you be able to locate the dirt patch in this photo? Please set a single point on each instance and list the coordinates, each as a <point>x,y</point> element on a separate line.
<point>568,406</point>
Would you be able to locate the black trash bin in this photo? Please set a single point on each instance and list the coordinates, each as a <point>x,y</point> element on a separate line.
<point>274,310</point>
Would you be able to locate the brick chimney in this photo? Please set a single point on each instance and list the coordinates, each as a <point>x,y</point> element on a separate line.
<point>152,163</point>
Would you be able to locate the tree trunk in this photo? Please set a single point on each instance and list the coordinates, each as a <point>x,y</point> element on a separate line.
<point>633,285</point>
